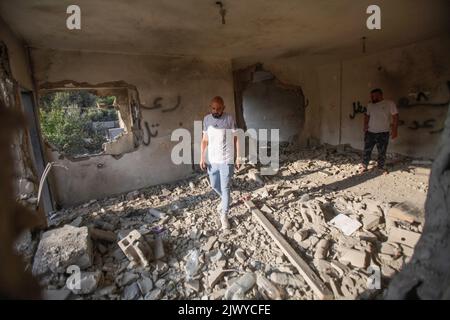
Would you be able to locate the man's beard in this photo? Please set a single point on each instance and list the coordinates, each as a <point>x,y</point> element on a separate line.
<point>217,115</point>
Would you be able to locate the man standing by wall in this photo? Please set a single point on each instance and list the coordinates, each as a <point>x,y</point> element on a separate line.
<point>217,129</point>
<point>377,125</point>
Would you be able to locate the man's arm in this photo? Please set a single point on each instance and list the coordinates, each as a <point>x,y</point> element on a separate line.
<point>203,146</point>
<point>366,122</point>
<point>394,130</point>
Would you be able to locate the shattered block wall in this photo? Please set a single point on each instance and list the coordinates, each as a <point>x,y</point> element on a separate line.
<point>415,77</point>
<point>172,93</point>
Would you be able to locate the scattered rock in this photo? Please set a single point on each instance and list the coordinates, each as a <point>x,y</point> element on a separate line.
<point>88,282</point>
<point>62,247</point>
<point>131,292</point>
<point>154,295</point>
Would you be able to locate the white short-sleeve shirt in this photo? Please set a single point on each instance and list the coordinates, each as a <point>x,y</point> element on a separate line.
<point>380,115</point>
<point>220,138</point>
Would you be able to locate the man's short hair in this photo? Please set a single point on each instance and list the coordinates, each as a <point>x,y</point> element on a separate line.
<point>377,90</point>
<point>218,99</point>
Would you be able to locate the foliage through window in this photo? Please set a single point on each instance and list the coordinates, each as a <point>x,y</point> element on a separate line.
<point>77,122</point>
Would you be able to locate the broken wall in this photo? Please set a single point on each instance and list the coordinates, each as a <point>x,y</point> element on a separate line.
<point>294,73</point>
<point>173,93</point>
<point>15,73</point>
<point>415,77</point>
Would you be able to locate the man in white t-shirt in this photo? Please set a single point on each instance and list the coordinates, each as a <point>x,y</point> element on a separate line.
<point>377,125</point>
<point>218,135</point>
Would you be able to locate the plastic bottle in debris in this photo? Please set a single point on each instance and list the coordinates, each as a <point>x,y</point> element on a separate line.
<point>192,264</point>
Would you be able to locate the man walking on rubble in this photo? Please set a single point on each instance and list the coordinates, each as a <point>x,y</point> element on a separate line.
<point>218,128</point>
<point>377,124</point>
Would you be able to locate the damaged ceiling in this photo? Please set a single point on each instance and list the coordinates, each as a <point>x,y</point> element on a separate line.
<point>194,28</point>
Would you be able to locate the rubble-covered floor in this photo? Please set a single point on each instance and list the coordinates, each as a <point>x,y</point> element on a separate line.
<point>311,187</point>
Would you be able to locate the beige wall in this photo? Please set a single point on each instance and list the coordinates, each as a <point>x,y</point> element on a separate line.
<point>332,86</point>
<point>400,72</point>
<point>196,81</point>
<point>17,56</point>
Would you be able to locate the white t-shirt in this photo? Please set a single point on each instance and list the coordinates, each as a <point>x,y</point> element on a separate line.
<point>220,138</point>
<point>380,115</point>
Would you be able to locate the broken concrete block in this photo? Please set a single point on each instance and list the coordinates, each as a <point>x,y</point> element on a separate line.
<point>387,271</point>
<point>407,251</point>
<point>77,222</point>
<point>145,285</point>
<point>286,226</point>
<point>56,294</point>
<point>356,258</point>
<point>406,211</point>
<point>321,249</point>
<point>370,221</point>
<point>131,292</point>
<point>156,213</point>
<point>154,295</point>
<point>214,277</point>
<point>158,248</point>
<point>345,224</point>
<point>102,235</point>
<point>126,278</point>
<point>240,255</point>
<point>136,248</point>
<point>255,176</point>
<point>301,235</point>
<point>210,243</point>
<point>88,282</point>
<point>404,237</point>
<point>62,247</point>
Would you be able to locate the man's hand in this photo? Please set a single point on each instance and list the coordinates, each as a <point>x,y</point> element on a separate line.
<point>202,164</point>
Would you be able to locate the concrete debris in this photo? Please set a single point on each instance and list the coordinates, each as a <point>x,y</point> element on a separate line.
<point>56,294</point>
<point>154,295</point>
<point>136,249</point>
<point>214,277</point>
<point>211,241</point>
<point>62,247</point>
<point>370,221</point>
<point>406,211</point>
<point>158,248</point>
<point>88,282</point>
<point>169,245</point>
<point>405,237</point>
<point>347,225</point>
<point>131,292</point>
<point>145,285</point>
<point>240,256</point>
<point>356,258</point>
<point>102,235</point>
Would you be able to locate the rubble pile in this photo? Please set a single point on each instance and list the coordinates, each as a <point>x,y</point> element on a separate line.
<point>163,242</point>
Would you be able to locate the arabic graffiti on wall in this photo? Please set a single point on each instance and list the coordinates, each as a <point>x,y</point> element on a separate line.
<point>157,104</point>
<point>357,108</point>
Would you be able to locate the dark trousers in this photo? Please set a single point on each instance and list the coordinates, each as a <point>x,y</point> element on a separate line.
<point>381,140</point>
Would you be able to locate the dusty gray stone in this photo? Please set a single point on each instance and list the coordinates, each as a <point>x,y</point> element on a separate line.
<point>131,292</point>
<point>62,247</point>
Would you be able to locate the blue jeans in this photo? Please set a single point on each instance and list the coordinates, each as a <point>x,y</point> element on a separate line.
<point>219,177</point>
